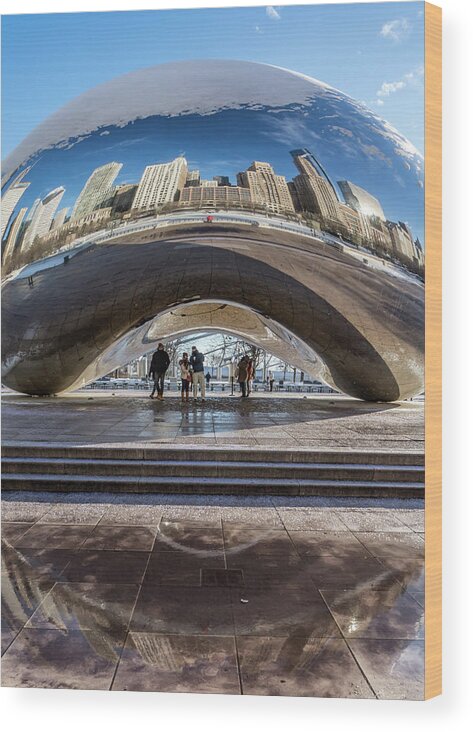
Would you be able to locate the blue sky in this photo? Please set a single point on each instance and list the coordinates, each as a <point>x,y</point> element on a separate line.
<point>373,52</point>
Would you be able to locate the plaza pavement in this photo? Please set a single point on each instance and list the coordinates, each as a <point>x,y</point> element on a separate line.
<point>269,420</point>
<point>265,595</point>
<point>281,596</point>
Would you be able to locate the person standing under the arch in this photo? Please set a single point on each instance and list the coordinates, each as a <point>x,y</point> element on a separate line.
<point>251,375</point>
<point>186,376</point>
<point>243,375</point>
<point>197,364</point>
<point>157,370</point>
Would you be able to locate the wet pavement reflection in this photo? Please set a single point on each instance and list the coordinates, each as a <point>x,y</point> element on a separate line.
<point>235,598</point>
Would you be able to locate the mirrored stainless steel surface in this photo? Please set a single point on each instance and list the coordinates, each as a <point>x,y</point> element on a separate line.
<point>224,196</point>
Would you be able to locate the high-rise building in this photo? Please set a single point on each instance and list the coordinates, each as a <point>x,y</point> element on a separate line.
<point>193,178</point>
<point>161,183</point>
<point>43,217</point>
<point>97,191</point>
<point>222,180</point>
<point>208,183</point>
<point>317,196</point>
<point>266,187</point>
<point>60,218</point>
<point>355,222</point>
<point>402,240</point>
<point>13,235</point>
<point>33,209</point>
<point>123,198</point>
<point>307,164</point>
<point>361,200</point>
<point>420,252</point>
<point>313,190</point>
<point>10,200</point>
<point>380,237</point>
<point>200,196</point>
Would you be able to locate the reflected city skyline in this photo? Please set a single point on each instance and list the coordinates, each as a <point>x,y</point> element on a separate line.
<point>343,209</point>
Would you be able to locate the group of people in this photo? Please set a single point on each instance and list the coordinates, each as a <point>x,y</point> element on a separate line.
<point>192,372</point>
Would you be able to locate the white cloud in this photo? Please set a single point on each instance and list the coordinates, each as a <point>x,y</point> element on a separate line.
<point>389,87</point>
<point>272,13</point>
<point>411,79</point>
<point>395,30</point>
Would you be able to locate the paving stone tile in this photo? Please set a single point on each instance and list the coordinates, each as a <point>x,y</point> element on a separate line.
<point>251,517</point>
<point>13,531</point>
<point>183,611</point>
<point>409,572</point>
<point>394,668</point>
<point>299,519</point>
<point>344,572</point>
<point>413,518</point>
<point>184,569</point>
<point>300,666</point>
<point>21,595</point>
<point>45,564</point>
<point>178,536</point>
<point>292,610</point>
<point>376,613</point>
<point>176,663</point>
<point>58,659</point>
<point>139,515</point>
<point>49,536</point>
<point>67,513</point>
<point>193,516</point>
<point>77,605</point>
<point>106,566</point>
<point>393,545</point>
<point>122,538</point>
<point>371,520</point>
<point>25,511</point>
<point>328,543</point>
<point>259,541</point>
<point>270,570</point>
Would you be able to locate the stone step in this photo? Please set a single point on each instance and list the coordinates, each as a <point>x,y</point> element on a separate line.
<point>196,469</point>
<point>233,486</point>
<point>230,453</point>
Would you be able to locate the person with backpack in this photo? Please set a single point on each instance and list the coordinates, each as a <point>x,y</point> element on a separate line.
<point>157,370</point>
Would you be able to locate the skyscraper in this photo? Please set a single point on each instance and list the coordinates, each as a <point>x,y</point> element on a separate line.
<point>361,200</point>
<point>307,164</point>
<point>97,190</point>
<point>317,196</point>
<point>10,200</point>
<point>266,187</point>
<point>161,183</point>
<point>193,178</point>
<point>43,217</point>
<point>60,218</point>
<point>13,235</point>
<point>314,189</point>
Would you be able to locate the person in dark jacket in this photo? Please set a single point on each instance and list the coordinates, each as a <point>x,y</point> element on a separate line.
<point>197,364</point>
<point>242,374</point>
<point>157,370</point>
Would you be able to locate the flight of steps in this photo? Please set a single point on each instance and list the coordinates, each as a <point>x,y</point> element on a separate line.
<point>227,470</point>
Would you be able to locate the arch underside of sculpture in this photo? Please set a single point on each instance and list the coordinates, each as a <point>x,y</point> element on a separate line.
<point>74,318</point>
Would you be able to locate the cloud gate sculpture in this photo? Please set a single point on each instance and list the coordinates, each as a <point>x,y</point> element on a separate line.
<point>214,195</point>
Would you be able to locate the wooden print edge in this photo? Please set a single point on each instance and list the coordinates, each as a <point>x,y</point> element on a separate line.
<point>433,352</point>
